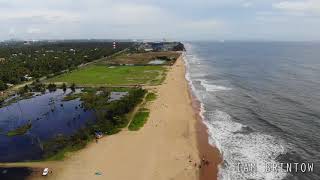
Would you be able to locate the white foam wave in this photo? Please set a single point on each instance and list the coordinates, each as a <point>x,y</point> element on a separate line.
<point>255,148</point>
<point>235,147</point>
<point>187,75</point>
<point>212,87</point>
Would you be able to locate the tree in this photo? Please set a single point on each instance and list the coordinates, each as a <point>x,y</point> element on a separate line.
<point>26,88</point>
<point>38,86</point>
<point>64,87</point>
<point>3,86</point>
<point>179,47</point>
<point>73,87</point>
<point>52,87</point>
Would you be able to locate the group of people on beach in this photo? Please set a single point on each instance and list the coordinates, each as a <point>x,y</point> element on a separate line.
<point>204,162</point>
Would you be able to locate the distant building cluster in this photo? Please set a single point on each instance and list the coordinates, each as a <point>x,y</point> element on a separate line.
<point>160,46</point>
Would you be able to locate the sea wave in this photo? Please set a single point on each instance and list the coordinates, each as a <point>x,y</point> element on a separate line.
<point>235,142</point>
<point>242,148</point>
<point>212,87</point>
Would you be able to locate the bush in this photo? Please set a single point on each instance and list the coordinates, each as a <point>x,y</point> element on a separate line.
<point>151,96</point>
<point>24,90</point>
<point>38,86</point>
<point>139,119</point>
<point>52,87</point>
<point>3,86</point>
<point>64,87</point>
<point>73,87</point>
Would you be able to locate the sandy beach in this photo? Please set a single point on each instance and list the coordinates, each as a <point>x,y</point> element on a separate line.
<point>167,147</point>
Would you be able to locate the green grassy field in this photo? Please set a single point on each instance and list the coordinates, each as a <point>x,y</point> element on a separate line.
<point>151,96</point>
<point>139,119</point>
<point>114,76</point>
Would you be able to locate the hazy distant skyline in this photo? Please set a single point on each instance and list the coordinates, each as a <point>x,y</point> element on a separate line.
<point>171,19</point>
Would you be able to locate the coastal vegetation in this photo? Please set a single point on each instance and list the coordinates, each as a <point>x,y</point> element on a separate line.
<point>139,119</point>
<point>110,118</point>
<point>94,75</point>
<point>35,86</point>
<point>151,96</point>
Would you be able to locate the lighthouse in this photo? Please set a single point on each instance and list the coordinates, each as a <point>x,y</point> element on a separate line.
<point>114,45</point>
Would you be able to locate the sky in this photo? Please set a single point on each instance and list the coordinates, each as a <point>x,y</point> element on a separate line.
<point>286,20</point>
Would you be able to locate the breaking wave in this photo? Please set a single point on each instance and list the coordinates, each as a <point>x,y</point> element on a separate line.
<point>212,87</point>
<point>236,142</point>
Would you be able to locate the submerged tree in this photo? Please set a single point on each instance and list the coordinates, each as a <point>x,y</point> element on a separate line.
<point>73,87</point>
<point>64,87</point>
<point>52,87</point>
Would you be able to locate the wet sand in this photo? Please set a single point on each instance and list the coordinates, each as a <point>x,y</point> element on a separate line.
<point>207,151</point>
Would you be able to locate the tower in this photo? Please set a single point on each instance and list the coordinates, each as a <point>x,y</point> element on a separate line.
<point>114,45</point>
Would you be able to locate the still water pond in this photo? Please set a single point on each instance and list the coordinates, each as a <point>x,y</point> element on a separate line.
<point>157,62</point>
<point>49,116</point>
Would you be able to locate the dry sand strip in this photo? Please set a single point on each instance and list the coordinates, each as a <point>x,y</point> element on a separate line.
<point>165,148</point>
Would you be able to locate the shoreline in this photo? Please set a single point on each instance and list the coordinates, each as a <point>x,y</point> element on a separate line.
<point>206,150</point>
<point>209,152</point>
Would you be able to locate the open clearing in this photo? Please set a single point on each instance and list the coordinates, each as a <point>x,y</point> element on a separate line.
<point>98,75</point>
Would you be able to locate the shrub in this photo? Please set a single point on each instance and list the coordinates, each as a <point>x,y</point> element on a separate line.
<point>64,87</point>
<point>52,87</point>
<point>139,119</point>
<point>73,87</point>
<point>3,86</point>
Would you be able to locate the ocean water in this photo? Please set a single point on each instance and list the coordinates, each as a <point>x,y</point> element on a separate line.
<point>261,104</point>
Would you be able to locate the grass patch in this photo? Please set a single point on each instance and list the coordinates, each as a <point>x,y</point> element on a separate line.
<point>139,119</point>
<point>20,130</point>
<point>71,97</point>
<point>119,75</point>
<point>60,155</point>
<point>151,96</point>
<point>60,150</point>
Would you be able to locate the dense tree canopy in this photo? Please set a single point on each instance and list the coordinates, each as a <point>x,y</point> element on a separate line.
<point>46,58</point>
